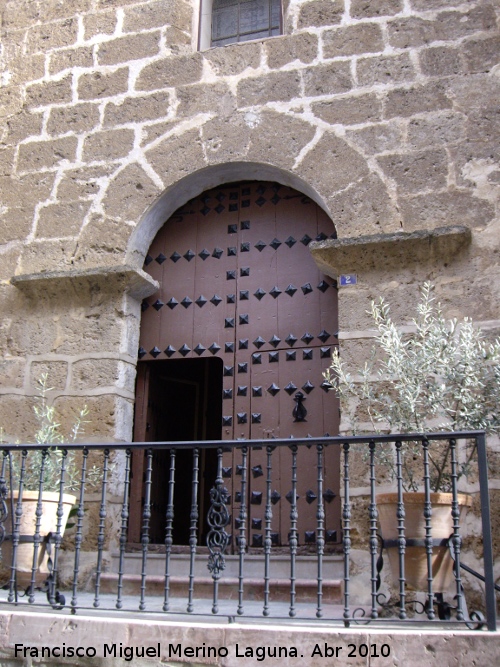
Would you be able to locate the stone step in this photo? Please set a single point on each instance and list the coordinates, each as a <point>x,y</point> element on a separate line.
<point>306,566</point>
<point>306,589</point>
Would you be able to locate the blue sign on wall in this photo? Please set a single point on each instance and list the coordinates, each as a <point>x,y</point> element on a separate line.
<point>348,279</point>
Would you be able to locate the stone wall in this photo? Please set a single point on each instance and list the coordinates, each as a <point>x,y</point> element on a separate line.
<point>385,113</point>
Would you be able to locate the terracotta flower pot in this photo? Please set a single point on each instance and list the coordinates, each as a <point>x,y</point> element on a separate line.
<point>415,559</point>
<point>48,524</point>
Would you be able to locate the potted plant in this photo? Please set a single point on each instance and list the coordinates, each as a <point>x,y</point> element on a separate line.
<point>39,493</point>
<point>435,375</point>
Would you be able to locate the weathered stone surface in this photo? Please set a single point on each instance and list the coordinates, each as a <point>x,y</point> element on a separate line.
<point>132,47</point>
<point>77,118</point>
<point>16,223</point>
<point>417,172</point>
<point>226,141</point>
<point>55,218</point>
<point>26,190</point>
<point>108,145</point>
<point>8,265</point>
<point>52,35</point>
<point>102,413</point>
<point>385,70</point>
<point>54,92</point>
<point>436,129</point>
<point>217,96</point>
<point>102,23</point>
<point>137,109</point>
<point>82,183</point>
<point>353,40</point>
<point>94,373</point>
<point>416,99</point>
<point>481,55</point>
<point>39,154</point>
<point>302,46</point>
<point>98,85</point>
<point>341,165</point>
<point>6,160</point>
<point>56,370</point>
<point>129,194</point>
<point>42,256</point>
<point>445,208</point>
<point>10,101</point>
<point>17,418</point>
<point>26,68</point>
<point>349,110</point>
<point>177,71</point>
<point>279,136</point>
<point>234,58</point>
<point>378,138</point>
<point>79,57</point>
<point>178,42</point>
<point>156,130</point>
<point>177,156</point>
<point>484,124</point>
<point>21,126</point>
<point>327,79</point>
<point>364,206</point>
<point>441,61</point>
<point>158,14</point>
<point>361,9</point>
<point>274,87</point>
<point>320,13</point>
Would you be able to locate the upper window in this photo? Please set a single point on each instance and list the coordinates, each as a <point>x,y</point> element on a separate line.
<point>241,20</point>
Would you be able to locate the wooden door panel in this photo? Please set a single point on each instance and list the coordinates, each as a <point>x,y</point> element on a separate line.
<point>238,282</point>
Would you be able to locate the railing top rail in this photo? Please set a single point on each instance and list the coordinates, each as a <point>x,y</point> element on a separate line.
<point>338,440</point>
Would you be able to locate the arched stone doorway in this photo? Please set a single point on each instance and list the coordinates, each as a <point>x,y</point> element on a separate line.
<point>236,340</point>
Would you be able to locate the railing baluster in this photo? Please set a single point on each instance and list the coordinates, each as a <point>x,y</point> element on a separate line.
<point>242,541</point>
<point>80,513</point>
<point>401,531</point>
<point>428,530</point>
<point>4,513</point>
<point>293,532</point>
<point>456,540</point>
<point>16,530</point>
<point>346,526</point>
<point>193,529</point>
<point>37,537</point>
<point>320,529</point>
<point>52,579</point>
<point>373,513</point>
<point>482,464</point>
<point>146,516</point>
<point>102,525</point>
<point>268,517</point>
<point>217,538</point>
<point>169,516</point>
<point>124,526</point>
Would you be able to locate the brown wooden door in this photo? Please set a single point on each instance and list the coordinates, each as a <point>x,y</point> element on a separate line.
<point>238,284</point>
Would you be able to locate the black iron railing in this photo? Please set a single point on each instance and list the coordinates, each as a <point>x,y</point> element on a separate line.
<point>219,530</point>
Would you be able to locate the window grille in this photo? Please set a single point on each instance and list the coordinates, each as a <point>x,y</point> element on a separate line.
<point>242,20</point>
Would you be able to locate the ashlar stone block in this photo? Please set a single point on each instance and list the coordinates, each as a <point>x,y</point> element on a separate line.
<point>108,145</point>
<point>102,242</point>
<point>101,23</point>
<point>176,71</point>
<point>149,15</point>
<point>99,85</point>
<point>42,38</point>
<point>353,40</point>
<point>11,101</point>
<point>50,92</point>
<point>320,13</point>
<point>417,172</point>
<point>21,126</point>
<point>130,193</point>
<point>302,47</point>
<point>481,55</point>
<point>361,9</point>
<point>436,129</point>
<point>441,61</point>
<point>177,156</point>
<point>385,70</point>
<point>82,183</point>
<point>327,79</point>
<point>444,208</point>
<point>273,87</point>
<point>56,370</point>
<point>214,96</point>
<point>349,110</point>
<point>138,109</point>
<point>417,99</point>
<point>131,47</point>
<point>379,137</point>
<point>235,58</point>
<point>61,219</point>
<point>75,118</point>
<point>78,57</point>
<point>39,154</point>
<point>226,141</point>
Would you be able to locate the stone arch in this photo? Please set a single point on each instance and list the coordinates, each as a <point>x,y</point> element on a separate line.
<point>265,145</point>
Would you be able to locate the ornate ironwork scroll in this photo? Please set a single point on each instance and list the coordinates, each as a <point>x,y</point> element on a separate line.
<point>217,538</point>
